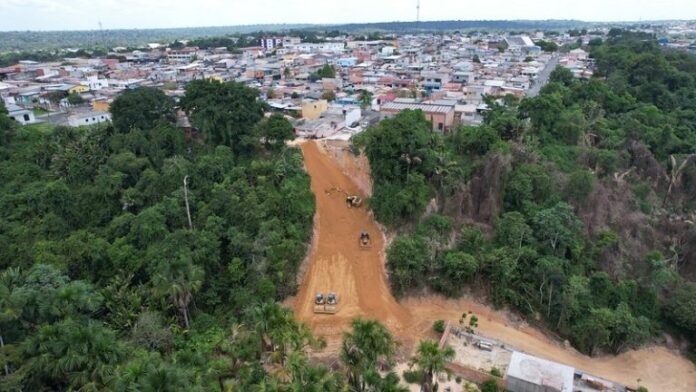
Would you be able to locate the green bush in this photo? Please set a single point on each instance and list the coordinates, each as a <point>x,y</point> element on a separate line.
<point>439,326</point>
<point>413,376</point>
<point>490,385</point>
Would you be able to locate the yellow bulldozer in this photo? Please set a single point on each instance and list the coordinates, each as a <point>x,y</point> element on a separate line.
<point>351,200</point>
<point>326,304</point>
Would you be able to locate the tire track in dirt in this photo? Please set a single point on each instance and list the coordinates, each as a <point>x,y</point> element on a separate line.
<point>337,264</point>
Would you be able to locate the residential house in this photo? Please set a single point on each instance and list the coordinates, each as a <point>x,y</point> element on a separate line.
<point>21,115</point>
<point>312,109</point>
<point>441,116</point>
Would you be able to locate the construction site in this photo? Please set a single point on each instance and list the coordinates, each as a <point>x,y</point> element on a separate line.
<point>344,277</point>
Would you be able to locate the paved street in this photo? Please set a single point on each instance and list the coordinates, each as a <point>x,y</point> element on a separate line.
<point>543,77</point>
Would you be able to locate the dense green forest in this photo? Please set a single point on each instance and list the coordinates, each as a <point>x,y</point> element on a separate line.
<point>108,281</point>
<point>574,207</point>
<point>137,257</point>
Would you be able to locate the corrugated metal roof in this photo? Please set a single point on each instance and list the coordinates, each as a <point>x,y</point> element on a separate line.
<point>418,106</point>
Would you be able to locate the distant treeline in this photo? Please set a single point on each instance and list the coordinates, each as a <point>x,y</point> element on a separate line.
<point>36,40</point>
<point>52,40</point>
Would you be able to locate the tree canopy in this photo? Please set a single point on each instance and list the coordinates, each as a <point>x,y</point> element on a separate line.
<point>225,113</point>
<point>143,108</point>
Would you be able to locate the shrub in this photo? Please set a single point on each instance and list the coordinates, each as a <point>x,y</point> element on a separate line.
<point>490,386</point>
<point>413,376</point>
<point>439,326</point>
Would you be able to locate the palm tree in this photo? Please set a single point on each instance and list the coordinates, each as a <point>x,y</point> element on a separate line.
<point>278,332</point>
<point>431,360</point>
<point>365,99</point>
<point>368,345</point>
<point>306,377</point>
<point>179,280</point>
<point>388,383</point>
<point>73,355</point>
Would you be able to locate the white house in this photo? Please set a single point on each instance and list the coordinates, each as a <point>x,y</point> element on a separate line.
<point>88,118</point>
<point>95,83</point>
<point>19,114</point>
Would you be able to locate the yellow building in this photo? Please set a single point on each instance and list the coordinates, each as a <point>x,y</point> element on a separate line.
<point>79,89</point>
<point>312,110</point>
<point>215,77</point>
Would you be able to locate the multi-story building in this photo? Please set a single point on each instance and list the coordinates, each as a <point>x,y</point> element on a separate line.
<point>270,43</point>
<point>185,55</point>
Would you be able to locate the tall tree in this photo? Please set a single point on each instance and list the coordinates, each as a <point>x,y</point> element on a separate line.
<point>142,108</point>
<point>225,112</point>
<point>6,124</point>
<point>431,360</point>
<point>368,345</point>
<point>365,99</point>
<point>178,279</point>
<point>275,131</point>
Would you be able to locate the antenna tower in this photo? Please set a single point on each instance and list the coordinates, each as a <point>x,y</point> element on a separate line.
<point>418,11</point>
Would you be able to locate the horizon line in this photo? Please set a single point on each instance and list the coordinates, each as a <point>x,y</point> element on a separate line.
<point>329,25</point>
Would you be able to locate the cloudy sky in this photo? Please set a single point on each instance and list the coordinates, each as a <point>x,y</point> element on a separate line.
<point>86,14</point>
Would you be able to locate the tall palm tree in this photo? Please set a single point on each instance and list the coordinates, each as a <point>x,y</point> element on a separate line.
<point>365,99</point>
<point>368,345</point>
<point>431,361</point>
<point>279,333</point>
<point>179,279</point>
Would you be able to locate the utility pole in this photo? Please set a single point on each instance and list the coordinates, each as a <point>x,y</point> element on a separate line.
<point>188,210</point>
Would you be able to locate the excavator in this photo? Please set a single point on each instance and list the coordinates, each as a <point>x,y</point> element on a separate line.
<point>351,200</point>
<point>326,305</point>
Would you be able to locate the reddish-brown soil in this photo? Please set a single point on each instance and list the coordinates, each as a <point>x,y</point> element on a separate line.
<point>337,264</point>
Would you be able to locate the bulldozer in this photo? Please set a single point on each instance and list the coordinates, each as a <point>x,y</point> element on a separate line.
<point>326,305</point>
<point>351,200</point>
<point>364,241</point>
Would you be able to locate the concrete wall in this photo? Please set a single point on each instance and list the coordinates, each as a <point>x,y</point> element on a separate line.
<point>312,110</point>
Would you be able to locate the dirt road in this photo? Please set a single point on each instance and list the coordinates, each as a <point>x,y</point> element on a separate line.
<point>337,264</point>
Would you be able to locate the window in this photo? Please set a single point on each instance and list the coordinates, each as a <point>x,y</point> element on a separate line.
<point>86,120</point>
<point>26,117</point>
<point>440,126</point>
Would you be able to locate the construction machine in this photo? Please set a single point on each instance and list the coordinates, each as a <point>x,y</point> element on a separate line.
<point>351,200</point>
<point>364,241</point>
<point>326,305</point>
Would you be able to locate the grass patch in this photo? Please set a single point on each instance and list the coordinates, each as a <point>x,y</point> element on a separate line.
<point>39,111</point>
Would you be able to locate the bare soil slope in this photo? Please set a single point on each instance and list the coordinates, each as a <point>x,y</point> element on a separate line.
<point>337,264</point>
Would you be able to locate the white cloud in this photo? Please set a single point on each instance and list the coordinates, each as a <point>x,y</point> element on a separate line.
<point>86,14</point>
